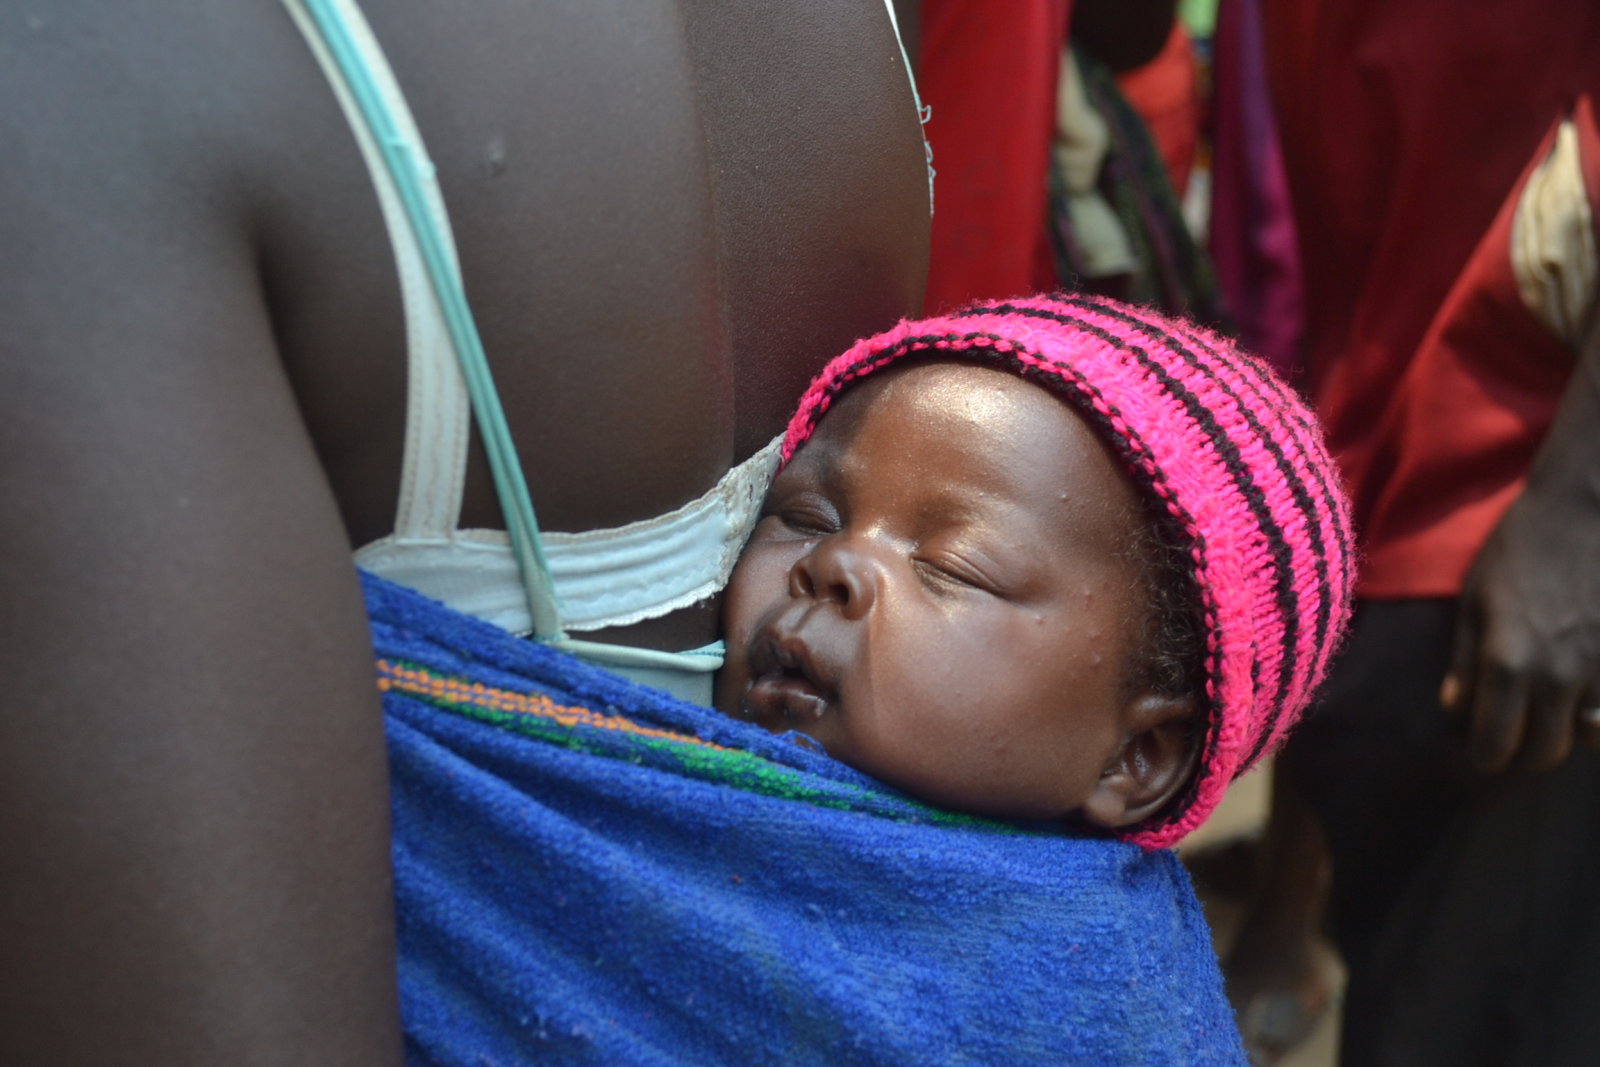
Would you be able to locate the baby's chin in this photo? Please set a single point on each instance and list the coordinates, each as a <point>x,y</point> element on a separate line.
<point>982,802</point>
<point>939,782</point>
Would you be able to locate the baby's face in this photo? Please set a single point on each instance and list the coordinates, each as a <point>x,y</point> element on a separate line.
<point>940,592</point>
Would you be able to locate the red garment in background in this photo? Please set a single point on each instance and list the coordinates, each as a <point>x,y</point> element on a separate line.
<point>988,71</point>
<point>1407,126</point>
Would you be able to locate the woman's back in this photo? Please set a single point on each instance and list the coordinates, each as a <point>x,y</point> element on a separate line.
<point>667,219</point>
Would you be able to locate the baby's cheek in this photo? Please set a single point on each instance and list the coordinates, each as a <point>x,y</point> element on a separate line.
<point>757,586</point>
<point>732,680</point>
<point>915,703</point>
<point>734,677</point>
<point>749,590</point>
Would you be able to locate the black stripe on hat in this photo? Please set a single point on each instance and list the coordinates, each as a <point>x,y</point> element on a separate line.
<point>1339,529</point>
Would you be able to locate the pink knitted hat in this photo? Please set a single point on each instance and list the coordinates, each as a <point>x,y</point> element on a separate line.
<point>1223,446</point>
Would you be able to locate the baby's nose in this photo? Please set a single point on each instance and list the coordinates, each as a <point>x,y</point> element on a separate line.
<point>840,572</point>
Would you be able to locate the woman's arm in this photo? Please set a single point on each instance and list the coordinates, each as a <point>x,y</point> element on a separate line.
<point>194,856</point>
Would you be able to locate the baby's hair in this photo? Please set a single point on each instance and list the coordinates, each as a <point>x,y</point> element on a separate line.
<point>1170,647</point>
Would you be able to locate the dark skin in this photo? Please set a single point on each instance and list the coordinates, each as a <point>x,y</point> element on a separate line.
<point>938,591</point>
<point>1526,669</point>
<point>667,218</point>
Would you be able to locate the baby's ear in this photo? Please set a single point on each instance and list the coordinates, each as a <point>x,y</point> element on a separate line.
<point>1156,759</point>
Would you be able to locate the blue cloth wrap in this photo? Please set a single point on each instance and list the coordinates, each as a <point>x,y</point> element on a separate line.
<point>627,893</point>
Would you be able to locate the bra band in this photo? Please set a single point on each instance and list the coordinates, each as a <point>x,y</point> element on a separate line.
<point>606,578</point>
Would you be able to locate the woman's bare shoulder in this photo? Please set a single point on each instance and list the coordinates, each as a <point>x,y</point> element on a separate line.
<point>193,725</point>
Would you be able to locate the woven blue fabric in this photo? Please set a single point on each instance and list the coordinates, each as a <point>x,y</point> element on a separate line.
<point>654,883</point>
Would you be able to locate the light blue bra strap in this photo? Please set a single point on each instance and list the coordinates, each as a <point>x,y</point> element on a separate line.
<point>701,660</point>
<point>408,163</point>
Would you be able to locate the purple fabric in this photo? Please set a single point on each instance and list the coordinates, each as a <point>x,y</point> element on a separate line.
<point>1253,243</point>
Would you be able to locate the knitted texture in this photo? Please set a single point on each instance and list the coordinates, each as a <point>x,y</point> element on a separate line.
<point>1226,448</point>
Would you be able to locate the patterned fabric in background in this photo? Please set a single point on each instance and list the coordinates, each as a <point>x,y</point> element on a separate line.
<point>1157,262</point>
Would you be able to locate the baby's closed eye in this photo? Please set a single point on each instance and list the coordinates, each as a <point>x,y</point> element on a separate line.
<point>804,513</point>
<point>953,569</point>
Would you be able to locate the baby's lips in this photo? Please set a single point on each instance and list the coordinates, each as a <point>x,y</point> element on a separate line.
<point>803,641</point>
<point>784,684</point>
<point>776,698</point>
<point>792,671</point>
<point>793,655</point>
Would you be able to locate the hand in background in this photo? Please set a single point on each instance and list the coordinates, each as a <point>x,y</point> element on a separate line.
<point>1526,665</point>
